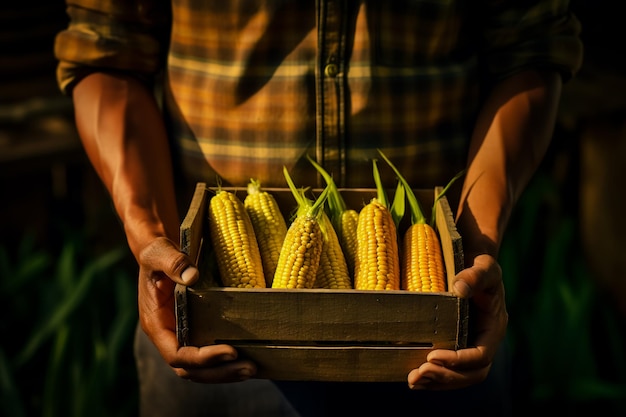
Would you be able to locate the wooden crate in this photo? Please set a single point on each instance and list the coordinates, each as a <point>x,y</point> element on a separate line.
<point>321,335</point>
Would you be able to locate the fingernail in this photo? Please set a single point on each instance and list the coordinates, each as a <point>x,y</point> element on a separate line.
<point>189,275</point>
<point>437,362</point>
<point>227,358</point>
<point>461,288</point>
<point>245,373</point>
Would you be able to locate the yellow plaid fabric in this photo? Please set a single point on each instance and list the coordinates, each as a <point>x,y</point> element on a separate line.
<point>251,86</point>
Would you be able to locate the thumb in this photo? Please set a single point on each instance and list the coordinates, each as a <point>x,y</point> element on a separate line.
<point>163,255</point>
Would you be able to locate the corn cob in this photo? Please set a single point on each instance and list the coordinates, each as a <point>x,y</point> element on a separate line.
<point>333,271</point>
<point>300,255</point>
<point>343,219</point>
<point>346,231</point>
<point>421,254</point>
<point>236,249</point>
<point>377,264</point>
<point>269,225</point>
<point>422,263</point>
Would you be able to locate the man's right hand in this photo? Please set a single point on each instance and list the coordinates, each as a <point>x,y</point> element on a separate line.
<point>161,267</point>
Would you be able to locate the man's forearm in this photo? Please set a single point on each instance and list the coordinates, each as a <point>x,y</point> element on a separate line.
<point>511,137</point>
<point>122,132</point>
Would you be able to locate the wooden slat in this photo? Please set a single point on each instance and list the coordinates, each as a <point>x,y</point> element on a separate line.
<point>192,228</point>
<point>348,364</point>
<point>449,237</point>
<point>191,239</point>
<point>322,316</point>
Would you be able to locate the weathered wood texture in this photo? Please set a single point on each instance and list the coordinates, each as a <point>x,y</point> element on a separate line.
<point>324,335</point>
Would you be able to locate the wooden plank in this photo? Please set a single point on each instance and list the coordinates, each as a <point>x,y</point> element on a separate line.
<point>225,315</point>
<point>191,239</point>
<point>347,364</point>
<point>450,239</point>
<point>192,230</point>
<point>452,247</point>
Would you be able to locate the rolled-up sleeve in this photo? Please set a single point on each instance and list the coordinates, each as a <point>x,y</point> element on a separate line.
<point>531,34</point>
<point>116,35</point>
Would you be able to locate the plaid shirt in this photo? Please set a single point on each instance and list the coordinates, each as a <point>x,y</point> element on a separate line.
<point>250,87</point>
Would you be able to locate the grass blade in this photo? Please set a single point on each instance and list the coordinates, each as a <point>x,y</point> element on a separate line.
<point>67,305</point>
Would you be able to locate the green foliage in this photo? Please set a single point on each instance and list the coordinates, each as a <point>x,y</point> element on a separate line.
<point>562,334</point>
<point>68,345</point>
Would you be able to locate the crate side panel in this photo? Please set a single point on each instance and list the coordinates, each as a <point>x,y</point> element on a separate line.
<point>463,326</point>
<point>191,238</point>
<point>450,239</point>
<point>354,364</point>
<point>192,227</point>
<point>228,314</point>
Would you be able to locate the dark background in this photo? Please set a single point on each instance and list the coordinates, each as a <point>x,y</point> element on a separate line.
<point>67,289</point>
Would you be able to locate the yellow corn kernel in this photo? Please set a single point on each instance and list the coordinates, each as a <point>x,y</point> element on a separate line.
<point>269,225</point>
<point>422,262</point>
<point>333,270</point>
<point>347,236</point>
<point>377,264</point>
<point>300,255</point>
<point>236,249</point>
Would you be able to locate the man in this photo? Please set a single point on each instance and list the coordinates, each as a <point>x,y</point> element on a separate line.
<point>248,87</point>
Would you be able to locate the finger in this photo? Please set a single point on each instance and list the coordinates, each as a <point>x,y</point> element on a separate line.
<point>234,371</point>
<point>190,357</point>
<point>485,274</point>
<point>462,359</point>
<point>163,255</point>
<point>166,341</point>
<point>211,363</point>
<point>435,377</point>
<point>450,369</point>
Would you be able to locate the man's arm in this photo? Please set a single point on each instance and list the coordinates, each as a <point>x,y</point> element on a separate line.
<point>123,134</point>
<point>510,139</point>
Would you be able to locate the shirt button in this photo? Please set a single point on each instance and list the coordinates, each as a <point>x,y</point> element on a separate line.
<point>331,70</point>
